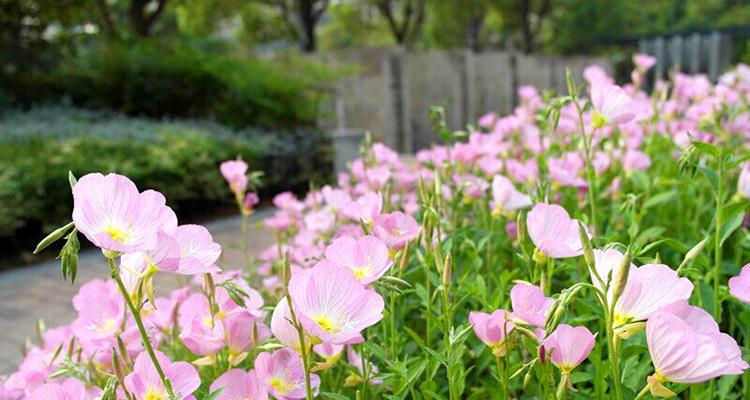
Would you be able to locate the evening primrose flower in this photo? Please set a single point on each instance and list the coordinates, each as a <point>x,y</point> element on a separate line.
<point>612,105</point>
<point>530,304</point>
<point>283,375</point>
<point>743,183</point>
<point>101,310</point>
<point>553,232</point>
<point>365,208</point>
<point>237,384</point>
<point>114,216</point>
<point>396,229</point>
<point>569,346</point>
<point>69,389</point>
<point>332,305</point>
<point>689,348</point>
<point>492,329</point>
<point>235,173</point>
<point>648,288</point>
<point>145,384</point>
<point>739,286</point>
<point>505,197</point>
<point>367,257</point>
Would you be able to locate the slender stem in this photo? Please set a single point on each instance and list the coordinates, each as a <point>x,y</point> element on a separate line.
<point>717,241</point>
<point>303,349</point>
<point>365,374</point>
<point>590,175</point>
<point>612,354</point>
<point>642,392</point>
<point>502,377</point>
<point>139,323</point>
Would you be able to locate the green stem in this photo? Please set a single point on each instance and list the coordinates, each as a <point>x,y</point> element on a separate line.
<point>717,241</point>
<point>303,349</point>
<point>139,323</point>
<point>612,353</point>
<point>502,377</point>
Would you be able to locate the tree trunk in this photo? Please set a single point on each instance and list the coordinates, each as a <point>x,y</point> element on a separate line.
<point>307,20</point>
<point>528,37</point>
<point>140,21</point>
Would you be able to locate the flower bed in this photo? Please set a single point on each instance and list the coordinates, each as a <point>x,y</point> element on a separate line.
<point>572,249</point>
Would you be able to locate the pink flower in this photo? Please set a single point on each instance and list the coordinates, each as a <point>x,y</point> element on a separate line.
<point>395,229</point>
<point>492,329</point>
<point>101,310</point>
<point>607,262</point>
<point>739,286</point>
<point>332,304</point>
<point>144,382</point>
<point>355,360</point>
<point>365,208</point>
<point>201,333</point>
<point>243,332</point>
<point>522,171</point>
<point>743,183</point>
<point>114,216</point>
<point>643,62</point>
<point>235,173</point>
<point>197,249</point>
<point>595,73</point>
<point>530,304</point>
<point>569,346</point>
<point>282,328</point>
<point>505,197</point>
<point>635,160</point>
<point>250,201</point>
<point>612,105</point>
<point>553,232</point>
<point>650,287</point>
<point>689,350</point>
<point>69,389</point>
<point>487,120</point>
<point>282,373</point>
<point>237,384</point>
<point>320,221</point>
<point>367,257</point>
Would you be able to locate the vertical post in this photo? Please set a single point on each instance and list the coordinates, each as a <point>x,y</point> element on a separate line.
<point>404,140</point>
<point>694,60</point>
<point>660,53</point>
<point>471,94</point>
<point>675,52</point>
<point>714,54</point>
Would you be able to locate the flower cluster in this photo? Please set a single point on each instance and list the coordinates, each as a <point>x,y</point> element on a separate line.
<point>599,226</point>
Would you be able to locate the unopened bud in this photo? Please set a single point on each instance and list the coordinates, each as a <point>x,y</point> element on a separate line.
<point>693,253</point>
<point>447,271</point>
<point>588,250</point>
<point>622,276</point>
<point>521,227</point>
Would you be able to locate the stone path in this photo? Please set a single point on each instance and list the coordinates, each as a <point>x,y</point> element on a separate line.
<point>30,293</point>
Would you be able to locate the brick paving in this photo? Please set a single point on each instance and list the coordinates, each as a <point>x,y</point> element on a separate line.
<point>35,292</point>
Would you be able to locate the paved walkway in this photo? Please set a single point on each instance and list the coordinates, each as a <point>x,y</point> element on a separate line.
<point>38,292</point>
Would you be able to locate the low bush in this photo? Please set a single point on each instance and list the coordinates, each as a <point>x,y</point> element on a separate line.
<point>179,158</point>
<point>176,78</point>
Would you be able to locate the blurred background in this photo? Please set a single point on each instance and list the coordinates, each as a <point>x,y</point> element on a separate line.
<point>164,90</point>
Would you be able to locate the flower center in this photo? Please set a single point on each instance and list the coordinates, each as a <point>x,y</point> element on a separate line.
<point>106,326</point>
<point>361,272</point>
<point>598,120</point>
<point>117,234</point>
<point>326,323</point>
<point>281,385</point>
<point>155,394</point>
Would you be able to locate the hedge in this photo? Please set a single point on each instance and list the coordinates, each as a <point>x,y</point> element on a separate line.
<point>178,158</point>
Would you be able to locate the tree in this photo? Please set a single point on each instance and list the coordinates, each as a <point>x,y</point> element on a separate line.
<point>405,18</point>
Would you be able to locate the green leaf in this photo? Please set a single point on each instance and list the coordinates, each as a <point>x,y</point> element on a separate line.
<point>334,396</point>
<point>660,198</point>
<point>707,149</point>
<point>53,237</point>
<point>730,226</point>
<point>711,175</point>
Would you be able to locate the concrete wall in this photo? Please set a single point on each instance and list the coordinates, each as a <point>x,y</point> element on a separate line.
<point>392,91</point>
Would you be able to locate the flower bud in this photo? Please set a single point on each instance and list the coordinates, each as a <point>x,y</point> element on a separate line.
<point>447,271</point>
<point>588,250</point>
<point>693,253</point>
<point>521,227</point>
<point>622,276</point>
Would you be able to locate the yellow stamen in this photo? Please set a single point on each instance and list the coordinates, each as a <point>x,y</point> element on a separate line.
<point>326,323</point>
<point>155,394</point>
<point>117,234</point>
<point>281,385</point>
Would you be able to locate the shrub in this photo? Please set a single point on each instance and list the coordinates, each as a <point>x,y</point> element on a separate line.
<point>179,158</point>
<point>177,78</point>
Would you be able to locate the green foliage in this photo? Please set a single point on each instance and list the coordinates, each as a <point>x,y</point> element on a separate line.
<point>158,78</point>
<point>180,159</point>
